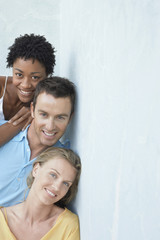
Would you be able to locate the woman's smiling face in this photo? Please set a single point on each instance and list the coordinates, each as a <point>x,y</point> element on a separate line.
<point>26,75</point>
<point>52,180</point>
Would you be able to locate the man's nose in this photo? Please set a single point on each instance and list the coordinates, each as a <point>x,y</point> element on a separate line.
<point>51,125</point>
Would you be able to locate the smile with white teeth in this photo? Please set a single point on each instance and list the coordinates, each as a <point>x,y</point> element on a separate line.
<point>50,193</point>
<point>25,92</point>
<point>49,134</point>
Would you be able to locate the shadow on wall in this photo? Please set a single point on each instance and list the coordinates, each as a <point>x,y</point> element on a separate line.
<point>73,206</point>
<point>72,133</point>
<point>72,128</point>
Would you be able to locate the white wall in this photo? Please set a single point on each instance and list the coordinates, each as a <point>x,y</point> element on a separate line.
<point>28,16</point>
<point>111,49</point>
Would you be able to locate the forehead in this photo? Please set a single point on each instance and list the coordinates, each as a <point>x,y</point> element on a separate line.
<point>28,63</point>
<point>57,161</point>
<point>50,102</point>
<point>62,166</point>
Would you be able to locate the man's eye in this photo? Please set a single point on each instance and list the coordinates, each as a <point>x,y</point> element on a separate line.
<point>61,117</point>
<point>53,175</point>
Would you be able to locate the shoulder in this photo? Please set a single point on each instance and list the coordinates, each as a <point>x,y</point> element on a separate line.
<point>2,79</point>
<point>19,137</point>
<point>3,121</point>
<point>2,209</point>
<point>65,144</point>
<point>2,213</point>
<point>71,224</point>
<point>2,83</point>
<point>70,217</point>
<point>14,210</point>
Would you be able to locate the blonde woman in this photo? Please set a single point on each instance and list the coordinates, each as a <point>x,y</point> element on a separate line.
<point>53,183</point>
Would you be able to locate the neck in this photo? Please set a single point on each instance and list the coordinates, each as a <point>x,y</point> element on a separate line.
<point>35,145</point>
<point>34,212</point>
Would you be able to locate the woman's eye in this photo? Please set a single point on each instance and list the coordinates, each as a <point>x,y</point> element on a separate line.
<point>43,114</point>
<point>35,78</point>
<point>66,184</point>
<point>18,74</point>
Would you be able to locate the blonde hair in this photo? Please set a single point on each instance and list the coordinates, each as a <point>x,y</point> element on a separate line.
<point>72,158</point>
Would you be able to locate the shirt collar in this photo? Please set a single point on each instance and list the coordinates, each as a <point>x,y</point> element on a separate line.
<point>22,134</point>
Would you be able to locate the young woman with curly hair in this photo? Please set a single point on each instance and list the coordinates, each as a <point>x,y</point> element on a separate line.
<point>32,59</point>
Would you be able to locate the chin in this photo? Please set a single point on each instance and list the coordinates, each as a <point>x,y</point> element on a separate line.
<point>25,99</point>
<point>49,144</point>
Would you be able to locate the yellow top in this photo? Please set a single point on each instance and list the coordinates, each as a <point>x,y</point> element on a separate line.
<point>66,227</point>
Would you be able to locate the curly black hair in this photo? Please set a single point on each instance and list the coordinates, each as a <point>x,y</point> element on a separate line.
<point>34,47</point>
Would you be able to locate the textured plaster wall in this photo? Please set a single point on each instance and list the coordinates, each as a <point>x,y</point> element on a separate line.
<point>111,49</point>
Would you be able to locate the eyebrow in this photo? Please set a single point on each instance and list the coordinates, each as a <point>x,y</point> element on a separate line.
<point>22,71</point>
<point>39,110</point>
<point>59,174</point>
<point>63,114</point>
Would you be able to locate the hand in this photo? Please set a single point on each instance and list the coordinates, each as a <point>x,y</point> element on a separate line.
<point>24,114</point>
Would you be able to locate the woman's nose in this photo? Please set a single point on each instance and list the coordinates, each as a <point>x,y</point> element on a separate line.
<point>26,82</point>
<point>56,185</point>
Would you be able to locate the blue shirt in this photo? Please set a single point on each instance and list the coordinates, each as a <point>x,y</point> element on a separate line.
<point>15,166</point>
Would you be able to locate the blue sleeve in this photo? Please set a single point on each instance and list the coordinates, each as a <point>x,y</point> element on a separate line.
<point>2,122</point>
<point>65,144</point>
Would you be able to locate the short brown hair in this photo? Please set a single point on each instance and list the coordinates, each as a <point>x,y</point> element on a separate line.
<point>58,87</point>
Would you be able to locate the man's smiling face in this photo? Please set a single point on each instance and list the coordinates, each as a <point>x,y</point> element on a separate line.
<point>51,117</point>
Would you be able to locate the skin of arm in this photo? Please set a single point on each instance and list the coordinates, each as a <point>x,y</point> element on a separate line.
<point>17,123</point>
<point>23,115</point>
<point>1,85</point>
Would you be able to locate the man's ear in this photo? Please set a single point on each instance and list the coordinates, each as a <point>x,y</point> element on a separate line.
<point>32,110</point>
<point>35,169</point>
<point>71,117</point>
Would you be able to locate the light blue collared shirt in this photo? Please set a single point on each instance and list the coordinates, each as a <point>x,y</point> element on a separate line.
<point>15,166</point>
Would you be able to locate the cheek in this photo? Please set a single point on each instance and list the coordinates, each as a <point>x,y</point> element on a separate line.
<point>64,192</point>
<point>34,84</point>
<point>38,121</point>
<point>41,179</point>
<point>15,81</point>
<point>66,189</point>
<point>63,125</point>
<point>36,124</point>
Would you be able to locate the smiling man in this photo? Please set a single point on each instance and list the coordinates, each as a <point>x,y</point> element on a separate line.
<point>52,109</point>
